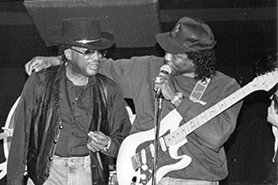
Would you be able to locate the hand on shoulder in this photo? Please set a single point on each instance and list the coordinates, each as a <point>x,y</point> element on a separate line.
<point>38,63</point>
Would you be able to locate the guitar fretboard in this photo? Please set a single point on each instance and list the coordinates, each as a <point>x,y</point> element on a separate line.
<point>180,133</point>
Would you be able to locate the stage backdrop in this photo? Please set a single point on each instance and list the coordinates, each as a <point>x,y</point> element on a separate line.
<point>134,23</point>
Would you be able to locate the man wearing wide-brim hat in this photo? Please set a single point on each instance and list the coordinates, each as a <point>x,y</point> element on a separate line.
<point>69,119</point>
<point>190,149</point>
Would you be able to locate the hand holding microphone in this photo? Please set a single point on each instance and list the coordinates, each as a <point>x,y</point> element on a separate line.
<point>165,71</point>
<point>163,83</point>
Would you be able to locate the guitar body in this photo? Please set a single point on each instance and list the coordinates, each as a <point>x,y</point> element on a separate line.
<point>135,159</point>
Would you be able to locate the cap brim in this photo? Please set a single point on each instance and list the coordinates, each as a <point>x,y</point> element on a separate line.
<point>168,44</point>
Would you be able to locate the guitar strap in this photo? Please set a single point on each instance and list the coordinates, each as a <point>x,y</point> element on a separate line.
<point>199,90</point>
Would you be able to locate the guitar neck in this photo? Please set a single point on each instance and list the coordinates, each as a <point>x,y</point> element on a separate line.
<point>180,133</point>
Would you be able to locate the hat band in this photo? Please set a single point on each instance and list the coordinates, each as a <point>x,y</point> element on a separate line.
<point>85,41</point>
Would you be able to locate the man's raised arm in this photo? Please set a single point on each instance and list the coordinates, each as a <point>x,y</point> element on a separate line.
<point>38,63</point>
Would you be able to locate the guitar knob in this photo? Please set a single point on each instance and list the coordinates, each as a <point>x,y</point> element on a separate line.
<point>143,176</point>
<point>144,167</point>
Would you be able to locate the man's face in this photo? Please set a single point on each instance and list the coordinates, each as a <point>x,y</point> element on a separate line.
<point>179,63</point>
<point>84,61</point>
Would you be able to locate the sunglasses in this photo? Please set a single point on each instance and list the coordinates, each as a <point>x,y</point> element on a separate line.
<point>87,53</point>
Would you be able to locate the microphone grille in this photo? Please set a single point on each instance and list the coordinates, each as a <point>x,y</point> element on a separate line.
<point>166,68</point>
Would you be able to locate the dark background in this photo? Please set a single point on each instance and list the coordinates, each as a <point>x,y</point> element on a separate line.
<point>245,30</point>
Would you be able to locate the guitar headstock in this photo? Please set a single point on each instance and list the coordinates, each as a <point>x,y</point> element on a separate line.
<point>266,70</point>
<point>266,81</point>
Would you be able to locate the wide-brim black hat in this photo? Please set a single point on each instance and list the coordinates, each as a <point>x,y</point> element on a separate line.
<point>81,32</point>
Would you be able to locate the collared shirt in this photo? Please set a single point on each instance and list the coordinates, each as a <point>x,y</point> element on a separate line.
<point>76,117</point>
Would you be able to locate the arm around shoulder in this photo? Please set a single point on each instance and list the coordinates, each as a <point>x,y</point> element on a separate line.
<point>38,63</point>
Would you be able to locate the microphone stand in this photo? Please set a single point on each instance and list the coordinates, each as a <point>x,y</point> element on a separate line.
<point>158,107</point>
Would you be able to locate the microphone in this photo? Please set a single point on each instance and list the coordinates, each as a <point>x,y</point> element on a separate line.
<point>166,69</point>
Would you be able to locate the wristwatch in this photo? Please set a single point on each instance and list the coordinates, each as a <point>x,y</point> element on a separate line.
<point>176,98</point>
<point>106,148</point>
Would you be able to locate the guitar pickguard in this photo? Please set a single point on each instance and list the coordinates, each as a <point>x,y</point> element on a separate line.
<point>144,160</point>
<point>135,161</point>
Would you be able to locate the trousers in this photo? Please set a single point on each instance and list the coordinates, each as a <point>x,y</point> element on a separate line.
<point>68,171</point>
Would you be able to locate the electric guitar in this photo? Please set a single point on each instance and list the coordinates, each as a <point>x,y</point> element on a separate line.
<point>136,154</point>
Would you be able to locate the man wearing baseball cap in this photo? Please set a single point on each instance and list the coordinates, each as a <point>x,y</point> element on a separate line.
<point>69,119</point>
<point>190,147</point>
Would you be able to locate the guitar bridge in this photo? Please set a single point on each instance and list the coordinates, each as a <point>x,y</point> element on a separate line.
<point>136,163</point>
